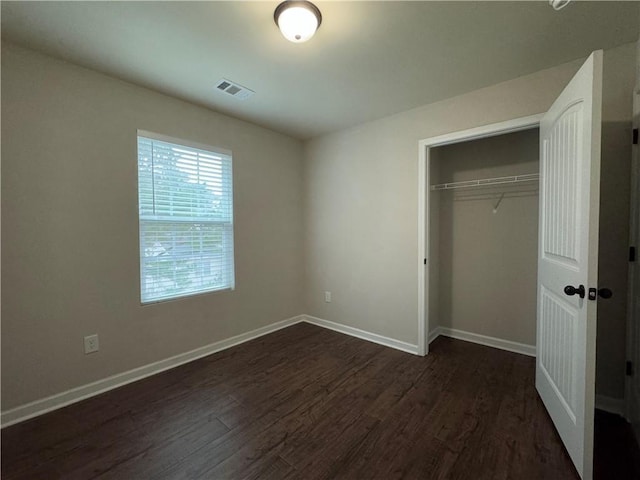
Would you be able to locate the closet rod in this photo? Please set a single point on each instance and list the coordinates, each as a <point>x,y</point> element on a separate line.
<point>530,177</point>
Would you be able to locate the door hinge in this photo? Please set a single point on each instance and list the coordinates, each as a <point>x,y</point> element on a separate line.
<point>629,371</point>
<point>425,261</point>
<point>632,254</point>
<point>635,136</point>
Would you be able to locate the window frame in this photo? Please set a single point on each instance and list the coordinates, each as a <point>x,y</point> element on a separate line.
<point>229,233</point>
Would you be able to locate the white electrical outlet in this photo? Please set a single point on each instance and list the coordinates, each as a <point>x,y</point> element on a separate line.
<point>91,344</point>
<point>327,297</point>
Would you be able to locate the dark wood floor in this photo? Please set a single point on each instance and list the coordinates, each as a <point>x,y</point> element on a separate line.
<point>616,452</point>
<point>305,403</point>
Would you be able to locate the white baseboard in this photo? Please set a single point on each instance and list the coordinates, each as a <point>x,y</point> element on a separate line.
<point>433,334</point>
<point>508,345</point>
<point>54,402</point>
<point>362,334</point>
<point>610,404</point>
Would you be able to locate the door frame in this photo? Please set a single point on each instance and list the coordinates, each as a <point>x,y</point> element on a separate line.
<point>631,401</point>
<point>424,168</point>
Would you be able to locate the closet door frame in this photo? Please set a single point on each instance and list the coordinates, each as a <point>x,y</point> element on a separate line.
<point>426,334</point>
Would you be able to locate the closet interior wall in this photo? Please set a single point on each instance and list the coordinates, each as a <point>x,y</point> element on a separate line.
<point>483,269</point>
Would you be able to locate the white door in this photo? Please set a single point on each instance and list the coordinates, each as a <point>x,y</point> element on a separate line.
<point>568,257</point>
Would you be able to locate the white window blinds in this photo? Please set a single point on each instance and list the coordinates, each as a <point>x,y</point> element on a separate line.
<point>185,199</point>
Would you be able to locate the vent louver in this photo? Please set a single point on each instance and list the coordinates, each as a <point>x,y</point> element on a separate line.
<point>234,89</point>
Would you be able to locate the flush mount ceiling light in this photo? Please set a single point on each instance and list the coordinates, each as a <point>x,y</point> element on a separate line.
<point>559,4</point>
<point>297,20</point>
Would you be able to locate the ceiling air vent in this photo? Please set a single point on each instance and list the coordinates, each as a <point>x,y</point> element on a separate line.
<point>234,89</point>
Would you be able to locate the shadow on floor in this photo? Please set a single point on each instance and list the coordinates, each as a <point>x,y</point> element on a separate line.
<point>616,452</point>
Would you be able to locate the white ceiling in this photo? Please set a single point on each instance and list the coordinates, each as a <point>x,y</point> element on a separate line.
<point>368,59</point>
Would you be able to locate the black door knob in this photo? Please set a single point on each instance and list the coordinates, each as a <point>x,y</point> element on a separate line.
<point>602,292</point>
<point>605,293</point>
<point>571,290</point>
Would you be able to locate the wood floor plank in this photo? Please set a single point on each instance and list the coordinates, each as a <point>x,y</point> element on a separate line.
<point>165,455</point>
<point>268,468</point>
<point>293,410</point>
<point>305,403</point>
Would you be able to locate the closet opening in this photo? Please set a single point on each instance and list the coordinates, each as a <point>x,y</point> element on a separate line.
<point>483,240</point>
<point>478,236</point>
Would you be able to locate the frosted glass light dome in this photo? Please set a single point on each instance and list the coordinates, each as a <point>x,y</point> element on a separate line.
<point>297,20</point>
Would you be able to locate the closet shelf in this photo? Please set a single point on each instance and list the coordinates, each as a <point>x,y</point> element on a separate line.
<point>530,177</point>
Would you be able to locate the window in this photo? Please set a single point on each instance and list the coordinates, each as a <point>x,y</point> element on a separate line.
<point>185,203</point>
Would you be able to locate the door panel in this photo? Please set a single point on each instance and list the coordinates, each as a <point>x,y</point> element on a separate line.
<point>558,324</point>
<point>563,166</point>
<point>568,256</point>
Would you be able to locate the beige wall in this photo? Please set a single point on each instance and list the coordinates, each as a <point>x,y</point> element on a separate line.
<point>70,243</point>
<point>488,263</point>
<point>361,192</point>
